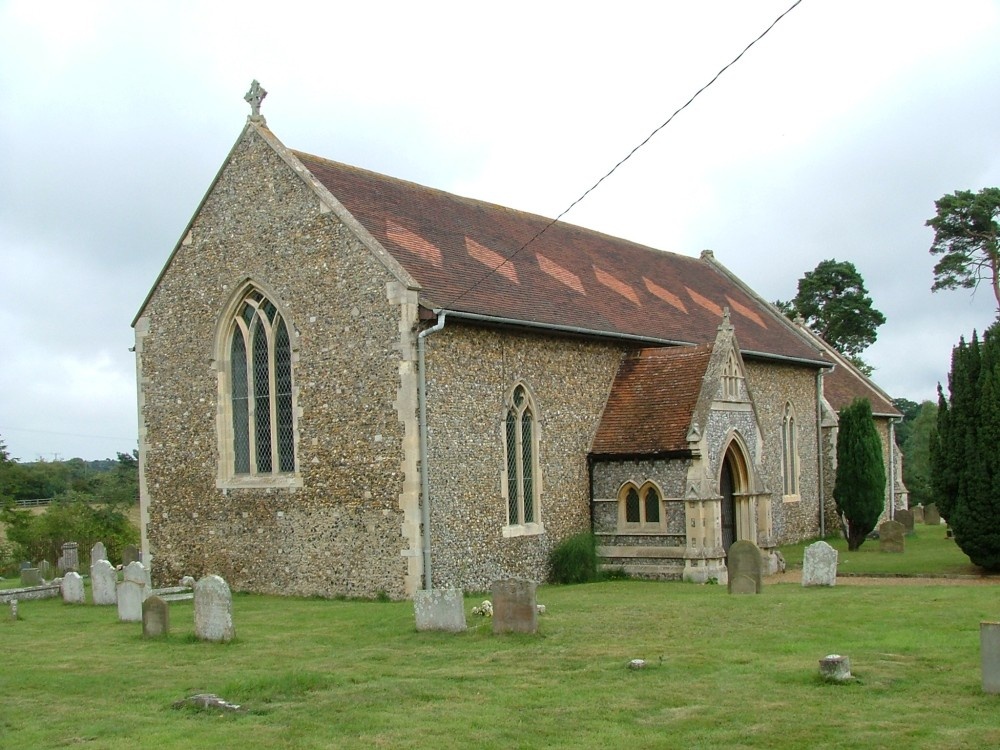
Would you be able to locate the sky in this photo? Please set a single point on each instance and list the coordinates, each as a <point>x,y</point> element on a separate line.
<point>831,138</point>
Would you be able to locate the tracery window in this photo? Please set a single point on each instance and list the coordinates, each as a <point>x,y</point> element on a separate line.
<point>521,464</point>
<point>731,378</point>
<point>789,452</point>
<point>262,431</point>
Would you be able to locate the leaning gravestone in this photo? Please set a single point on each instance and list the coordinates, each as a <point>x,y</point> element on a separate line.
<point>72,588</point>
<point>890,536</point>
<point>819,565</point>
<point>514,607</point>
<point>746,568</point>
<point>213,610</point>
<point>103,580</point>
<point>931,515</point>
<point>155,617</point>
<point>439,609</point>
<point>905,517</point>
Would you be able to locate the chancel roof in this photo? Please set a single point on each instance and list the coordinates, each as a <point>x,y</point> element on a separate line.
<point>652,402</point>
<point>470,257</point>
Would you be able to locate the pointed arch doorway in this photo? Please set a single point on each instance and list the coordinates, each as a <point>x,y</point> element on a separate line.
<point>734,488</point>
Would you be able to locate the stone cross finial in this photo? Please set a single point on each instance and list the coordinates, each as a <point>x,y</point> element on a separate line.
<point>726,325</point>
<point>254,97</point>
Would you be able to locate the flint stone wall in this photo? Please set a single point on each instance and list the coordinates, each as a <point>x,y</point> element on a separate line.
<point>341,527</point>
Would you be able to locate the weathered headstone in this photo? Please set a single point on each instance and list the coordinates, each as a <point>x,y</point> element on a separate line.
<point>890,536</point>
<point>45,570</point>
<point>439,609</point>
<point>931,515</point>
<point>72,588</point>
<point>155,617</point>
<point>31,577</point>
<point>213,610</point>
<point>835,668</point>
<point>130,554</point>
<point>905,517</point>
<point>13,609</point>
<point>103,582</point>
<point>514,607</point>
<point>819,565</point>
<point>132,591</point>
<point>70,559</point>
<point>918,514</point>
<point>98,552</point>
<point>989,649</point>
<point>746,568</point>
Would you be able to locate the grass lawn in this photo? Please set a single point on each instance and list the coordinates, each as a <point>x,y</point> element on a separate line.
<point>928,552</point>
<point>736,672</point>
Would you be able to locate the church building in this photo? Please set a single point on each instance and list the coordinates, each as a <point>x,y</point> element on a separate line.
<point>350,384</point>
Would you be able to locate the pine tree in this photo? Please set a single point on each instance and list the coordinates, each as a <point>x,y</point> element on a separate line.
<point>859,488</point>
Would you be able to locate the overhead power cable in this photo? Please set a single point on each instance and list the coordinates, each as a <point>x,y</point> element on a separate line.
<point>628,156</point>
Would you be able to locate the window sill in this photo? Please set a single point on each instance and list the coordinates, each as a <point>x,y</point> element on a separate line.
<point>275,482</point>
<point>528,529</point>
<point>791,498</point>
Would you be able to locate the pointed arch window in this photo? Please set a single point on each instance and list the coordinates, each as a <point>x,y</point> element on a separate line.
<point>261,427</point>
<point>731,378</point>
<point>521,460</point>
<point>640,507</point>
<point>789,453</point>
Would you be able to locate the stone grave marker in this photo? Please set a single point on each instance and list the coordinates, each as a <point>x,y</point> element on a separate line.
<point>819,565</point>
<point>70,558</point>
<point>989,651</point>
<point>31,577</point>
<point>213,610</point>
<point>918,514</point>
<point>98,552</point>
<point>890,536</point>
<point>439,609</point>
<point>514,607</point>
<point>25,564</point>
<point>905,517</point>
<point>136,571</point>
<point>103,582</point>
<point>72,588</point>
<point>132,591</point>
<point>746,568</point>
<point>931,515</point>
<point>45,570</point>
<point>155,618</point>
<point>130,554</point>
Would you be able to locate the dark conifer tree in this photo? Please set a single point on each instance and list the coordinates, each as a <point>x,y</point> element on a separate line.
<point>859,488</point>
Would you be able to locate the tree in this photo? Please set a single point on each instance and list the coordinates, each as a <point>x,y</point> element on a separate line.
<point>967,239</point>
<point>966,449</point>
<point>833,302</point>
<point>859,487</point>
<point>916,447</point>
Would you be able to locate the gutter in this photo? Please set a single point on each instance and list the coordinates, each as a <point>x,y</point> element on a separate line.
<point>425,492</point>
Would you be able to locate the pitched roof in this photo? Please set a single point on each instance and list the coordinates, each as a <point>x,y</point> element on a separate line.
<point>652,401</point>
<point>569,277</point>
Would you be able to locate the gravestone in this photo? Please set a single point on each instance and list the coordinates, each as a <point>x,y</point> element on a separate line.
<point>931,515</point>
<point>746,568</point>
<point>890,536</point>
<point>835,668</point>
<point>989,651</point>
<point>103,582</point>
<point>918,514</point>
<point>98,552</point>
<point>70,559</point>
<point>439,609</point>
<point>132,591</point>
<point>130,554</point>
<point>905,517</point>
<point>31,577</point>
<point>155,618</point>
<point>25,564</point>
<point>514,607</point>
<point>819,565</point>
<point>72,588</point>
<point>213,610</point>
<point>45,570</point>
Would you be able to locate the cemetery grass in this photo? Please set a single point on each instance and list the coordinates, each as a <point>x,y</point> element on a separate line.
<point>736,672</point>
<point>928,552</point>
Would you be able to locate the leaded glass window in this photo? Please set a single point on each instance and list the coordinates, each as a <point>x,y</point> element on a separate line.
<point>789,452</point>
<point>520,435</point>
<point>260,371</point>
<point>640,506</point>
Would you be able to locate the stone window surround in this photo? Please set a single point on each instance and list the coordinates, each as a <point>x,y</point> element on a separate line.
<point>790,465</point>
<point>657,527</point>
<point>731,377</point>
<point>225,325</point>
<point>533,526</point>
